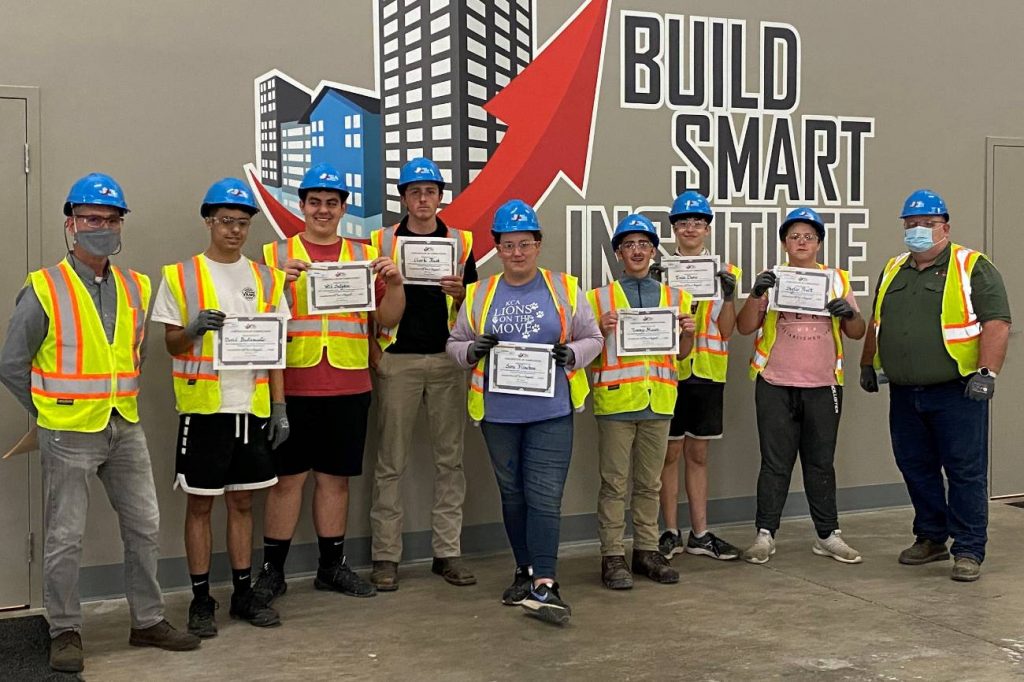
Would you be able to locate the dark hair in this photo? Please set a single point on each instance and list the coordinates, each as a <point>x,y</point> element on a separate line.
<point>402,188</point>
<point>207,210</point>
<point>341,195</point>
<point>536,233</point>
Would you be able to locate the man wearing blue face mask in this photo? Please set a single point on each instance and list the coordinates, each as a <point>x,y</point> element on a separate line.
<point>947,321</point>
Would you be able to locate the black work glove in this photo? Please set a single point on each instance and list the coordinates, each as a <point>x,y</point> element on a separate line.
<point>980,388</point>
<point>481,347</point>
<point>563,355</point>
<point>208,320</point>
<point>869,379</point>
<point>728,284</point>
<point>657,271</point>
<point>840,307</point>
<point>278,428</point>
<point>764,282</point>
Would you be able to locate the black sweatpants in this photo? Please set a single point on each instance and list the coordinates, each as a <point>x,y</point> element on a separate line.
<point>792,420</point>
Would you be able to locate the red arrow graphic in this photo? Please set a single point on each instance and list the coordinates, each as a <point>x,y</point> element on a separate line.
<point>549,110</point>
<point>284,221</point>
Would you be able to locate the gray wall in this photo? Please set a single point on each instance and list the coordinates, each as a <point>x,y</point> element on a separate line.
<point>160,96</point>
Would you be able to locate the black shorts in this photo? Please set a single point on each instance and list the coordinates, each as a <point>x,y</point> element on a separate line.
<point>328,435</point>
<point>217,453</point>
<point>698,414</point>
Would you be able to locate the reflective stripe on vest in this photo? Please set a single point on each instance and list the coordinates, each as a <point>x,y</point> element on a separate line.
<point>710,356</point>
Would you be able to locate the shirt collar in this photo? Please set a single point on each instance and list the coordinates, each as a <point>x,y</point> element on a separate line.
<point>85,272</point>
<point>941,259</point>
<point>404,231</point>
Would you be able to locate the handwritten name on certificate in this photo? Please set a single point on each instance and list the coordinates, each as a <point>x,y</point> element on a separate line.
<point>343,287</point>
<point>250,342</point>
<point>425,260</point>
<point>647,331</point>
<point>697,275</point>
<point>801,290</point>
<point>522,369</point>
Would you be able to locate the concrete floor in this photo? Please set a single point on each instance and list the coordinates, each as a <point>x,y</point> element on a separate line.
<point>798,617</point>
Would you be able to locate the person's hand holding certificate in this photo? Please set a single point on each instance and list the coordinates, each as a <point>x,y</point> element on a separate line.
<point>342,287</point>
<point>425,260</point>
<point>697,275</point>
<point>522,369</point>
<point>647,331</point>
<point>250,342</point>
<point>801,290</point>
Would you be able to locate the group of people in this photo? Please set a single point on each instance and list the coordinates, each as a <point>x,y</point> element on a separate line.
<point>77,340</point>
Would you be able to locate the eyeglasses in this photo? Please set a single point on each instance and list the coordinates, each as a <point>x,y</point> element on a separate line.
<point>636,246</point>
<point>922,223</point>
<point>96,222</point>
<point>810,238</point>
<point>694,223</point>
<point>229,222</point>
<point>522,247</point>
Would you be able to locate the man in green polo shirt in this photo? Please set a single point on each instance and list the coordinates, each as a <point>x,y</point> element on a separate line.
<point>943,341</point>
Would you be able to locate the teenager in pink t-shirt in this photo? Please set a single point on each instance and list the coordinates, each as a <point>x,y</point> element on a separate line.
<point>798,368</point>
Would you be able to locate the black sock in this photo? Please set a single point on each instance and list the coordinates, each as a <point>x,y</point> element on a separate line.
<point>200,584</point>
<point>331,550</point>
<point>241,578</point>
<point>822,534</point>
<point>275,552</point>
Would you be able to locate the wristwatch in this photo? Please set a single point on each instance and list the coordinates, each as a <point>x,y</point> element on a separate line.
<point>986,372</point>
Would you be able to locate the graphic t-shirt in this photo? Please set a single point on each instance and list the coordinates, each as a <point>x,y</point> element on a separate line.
<point>525,314</point>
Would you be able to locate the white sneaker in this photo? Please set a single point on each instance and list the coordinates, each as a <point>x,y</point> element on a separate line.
<point>762,549</point>
<point>834,546</point>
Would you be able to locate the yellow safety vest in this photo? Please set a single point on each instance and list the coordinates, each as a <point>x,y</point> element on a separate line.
<point>196,382</point>
<point>710,356</point>
<point>386,242</point>
<point>563,289</point>
<point>344,335</point>
<point>633,383</point>
<point>765,338</point>
<point>961,330</point>
<point>77,377</point>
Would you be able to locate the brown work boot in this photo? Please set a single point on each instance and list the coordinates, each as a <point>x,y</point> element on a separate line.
<point>66,652</point>
<point>384,576</point>
<point>163,636</point>
<point>922,551</point>
<point>453,571</point>
<point>966,569</point>
<point>615,573</point>
<point>654,566</point>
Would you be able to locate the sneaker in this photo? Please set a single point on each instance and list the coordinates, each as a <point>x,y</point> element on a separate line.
<point>671,543</point>
<point>453,571</point>
<point>341,578</point>
<point>711,545</point>
<point>519,590</point>
<point>163,636</point>
<point>201,622</point>
<point>545,603</point>
<point>654,566</point>
<point>966,569</point>
<point>270,584</point>
<point>615,573</point>
<point>66,652</point>
<point>248,606</point>
<point>762,549</point>
<point>923,551</point>
<point>834,546</point>
<point>384,576</point>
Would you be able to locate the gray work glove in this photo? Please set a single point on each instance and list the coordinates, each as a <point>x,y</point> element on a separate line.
<point>563,355</point>
<point>840,307</point>
<point>728,284</point>
<point>482,345</point>
<point>278,428</point>
<point>764,282</point>
<point>208,320</point>
<point>980,388</point>
<point>869,379</point>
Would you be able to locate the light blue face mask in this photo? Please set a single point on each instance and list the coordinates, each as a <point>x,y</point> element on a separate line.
<point>918,239</point>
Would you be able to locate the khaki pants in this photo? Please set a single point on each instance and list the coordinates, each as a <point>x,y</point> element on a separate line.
<point>642,445</point>
<point>405,381</point>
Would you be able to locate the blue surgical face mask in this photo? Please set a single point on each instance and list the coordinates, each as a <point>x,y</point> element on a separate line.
<point>918,239</point>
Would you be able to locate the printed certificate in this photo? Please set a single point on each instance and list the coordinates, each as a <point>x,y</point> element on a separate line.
<point>250,342</point>
<point>801,290</point>
<point>647,331</point>
<point>697,275</point>
<point>425,260</point>
<point>343,287</point>
<point>522,369</point>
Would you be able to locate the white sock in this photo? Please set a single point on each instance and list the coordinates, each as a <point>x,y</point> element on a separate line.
<point>700,534</point>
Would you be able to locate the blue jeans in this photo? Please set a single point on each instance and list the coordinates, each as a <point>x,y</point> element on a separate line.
<point>531,462</point>
<point>936,429</point>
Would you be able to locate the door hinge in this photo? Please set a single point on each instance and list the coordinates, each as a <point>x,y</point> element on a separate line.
<point>26,158</point>
<point>30,546</point>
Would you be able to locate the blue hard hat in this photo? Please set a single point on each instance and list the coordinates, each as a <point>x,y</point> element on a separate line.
<point>323,176</point>
<point>515,216</point>
<point>420,169</point>
<point>803,215</point>
<point>635,223</point>
<point>924,202</point>
<point>691,203</point>
<point>98,189</point>
<point>228,192</point>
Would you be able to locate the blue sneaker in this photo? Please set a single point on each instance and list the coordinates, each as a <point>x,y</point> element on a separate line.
<point>546,604</point>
